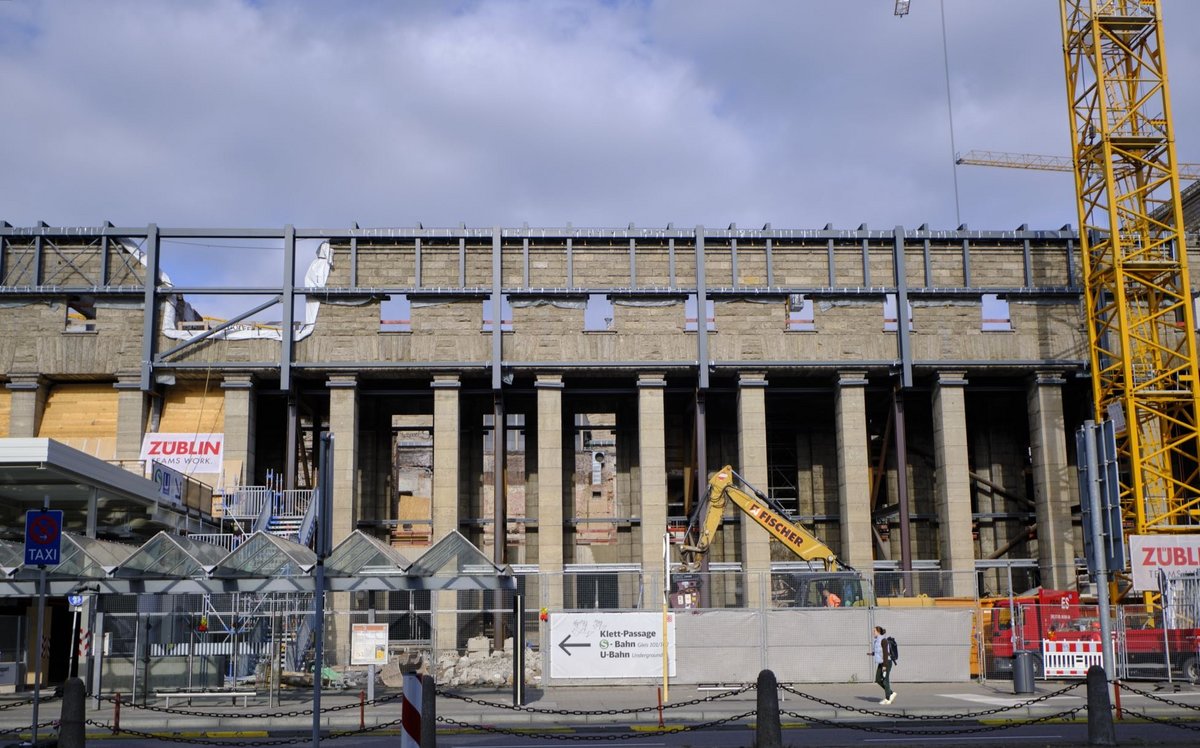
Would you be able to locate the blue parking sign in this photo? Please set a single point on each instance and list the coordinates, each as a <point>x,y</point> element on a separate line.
<point>43,536</point>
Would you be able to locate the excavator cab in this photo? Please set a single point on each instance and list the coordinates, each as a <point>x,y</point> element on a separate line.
<point>806,589</point>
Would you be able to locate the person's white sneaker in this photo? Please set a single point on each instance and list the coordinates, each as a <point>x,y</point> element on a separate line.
<point>884,701</point>
<point>892,698</point>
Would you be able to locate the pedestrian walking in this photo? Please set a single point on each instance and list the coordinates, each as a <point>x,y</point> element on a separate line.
<point>883,666</point>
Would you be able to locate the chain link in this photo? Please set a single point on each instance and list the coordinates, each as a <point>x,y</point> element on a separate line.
<point>1126,687</point>
<point>15,704</point>
<point>591,712</point>
<point>1158,720</point>
<point>251,715</point>
<point>23,728</point>
<point>528,732</point>
<point>959,717</point>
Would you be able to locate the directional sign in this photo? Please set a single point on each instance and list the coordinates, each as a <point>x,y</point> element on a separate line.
<point>43,536</point>
<point>610,645</point>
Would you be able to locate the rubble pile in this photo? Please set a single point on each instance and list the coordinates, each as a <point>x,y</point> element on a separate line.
<point>482,667</point>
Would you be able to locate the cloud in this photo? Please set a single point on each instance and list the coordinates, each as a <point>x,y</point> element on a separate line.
<point>229,113</point>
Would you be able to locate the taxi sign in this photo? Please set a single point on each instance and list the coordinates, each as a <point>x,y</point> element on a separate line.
<point>43,537</point>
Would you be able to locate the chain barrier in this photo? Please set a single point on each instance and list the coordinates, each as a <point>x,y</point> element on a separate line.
<point>15,704</point>
<point>1160,721</point>
<point>960,716</point>
<point>252,715</point>
<point>1126,687</point>
<point>592,712</point>
<point>1066,714</point>
<point>334,735</point>
<point>23,728</point>
<point>529,733</point>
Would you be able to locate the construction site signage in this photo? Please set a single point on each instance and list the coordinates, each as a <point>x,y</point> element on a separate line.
<point>1154,555</point>
<point>368,644</point>
<point>170,483</point>
<point>610,645</point>
<point>187,453</point>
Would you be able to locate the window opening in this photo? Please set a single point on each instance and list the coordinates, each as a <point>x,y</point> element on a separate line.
<point>801,313</point>
<point>598,315</point>
<point>689,314</point>
<point>395,314</point>
<point>506,314</point>
<point>995,313</point>
<point>889,313</point>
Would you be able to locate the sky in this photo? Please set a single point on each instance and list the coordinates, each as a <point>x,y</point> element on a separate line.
<point>797,113</point>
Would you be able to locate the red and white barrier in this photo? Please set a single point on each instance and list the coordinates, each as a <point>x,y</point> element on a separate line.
<point>1070,659</point>
<point>85,643</point>
<point>410,713</point>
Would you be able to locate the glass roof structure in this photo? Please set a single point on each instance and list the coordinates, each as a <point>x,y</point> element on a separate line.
<point>263,562</point>
<point>360,553</point>
<point>167,555</point>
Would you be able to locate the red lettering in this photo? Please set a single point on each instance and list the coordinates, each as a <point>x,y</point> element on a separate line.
<point>209,448</point>
<point>1180,556</point>
<point>1164,556</point>
<point>1148,559</point>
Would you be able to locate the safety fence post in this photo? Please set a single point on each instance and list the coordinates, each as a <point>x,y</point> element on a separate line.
<point>116,728</point>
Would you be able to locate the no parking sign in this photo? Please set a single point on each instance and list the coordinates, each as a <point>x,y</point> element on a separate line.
<point>43,536</point>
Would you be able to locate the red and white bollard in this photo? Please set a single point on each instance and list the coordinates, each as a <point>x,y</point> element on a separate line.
<point>410,714</point>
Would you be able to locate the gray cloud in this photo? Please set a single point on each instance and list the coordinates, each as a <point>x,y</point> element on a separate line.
<point>228,113</point>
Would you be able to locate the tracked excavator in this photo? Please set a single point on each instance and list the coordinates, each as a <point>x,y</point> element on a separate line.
<point>803,589</point>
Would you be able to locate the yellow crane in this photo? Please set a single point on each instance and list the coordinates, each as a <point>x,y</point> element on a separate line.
<point>1141,330</point>
<point>1041,162</point>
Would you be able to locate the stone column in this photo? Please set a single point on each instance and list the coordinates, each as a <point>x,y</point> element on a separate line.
<point>652,459</point>
<point>752,465</point>
<point>550,488</point>
<point>345,504</point>
<point>27,402</point>
<point>953,481</point>
<point>445,497</point>
<point>343,424</point>
<point>854,470</point>
<point>1051,481</point>
<point>131,416</point>
<point>239,425</point>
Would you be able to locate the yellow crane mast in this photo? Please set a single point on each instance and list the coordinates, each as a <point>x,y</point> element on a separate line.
<point>1139,305</point>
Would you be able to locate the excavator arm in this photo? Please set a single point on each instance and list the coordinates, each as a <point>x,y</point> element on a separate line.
<point>706,520</point>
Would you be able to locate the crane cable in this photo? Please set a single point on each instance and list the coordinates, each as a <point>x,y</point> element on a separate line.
<point>950,115</point>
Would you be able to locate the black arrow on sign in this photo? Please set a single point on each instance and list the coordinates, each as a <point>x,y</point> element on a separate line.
<point>563,644</point>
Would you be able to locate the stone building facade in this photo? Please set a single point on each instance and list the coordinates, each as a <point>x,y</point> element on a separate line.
<point>616,362</point>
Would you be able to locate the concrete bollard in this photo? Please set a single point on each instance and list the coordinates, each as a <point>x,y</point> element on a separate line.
<point>1099,708</point>
<point>72,720</point>
<point>767,731</point>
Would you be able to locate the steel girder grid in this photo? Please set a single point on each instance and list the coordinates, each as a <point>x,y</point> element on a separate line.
<point>1139,306</point>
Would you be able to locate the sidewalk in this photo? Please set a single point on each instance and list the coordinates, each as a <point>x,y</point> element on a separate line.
<point>620,708</point>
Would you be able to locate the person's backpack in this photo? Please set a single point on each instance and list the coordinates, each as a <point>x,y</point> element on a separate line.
<point>893,649</point>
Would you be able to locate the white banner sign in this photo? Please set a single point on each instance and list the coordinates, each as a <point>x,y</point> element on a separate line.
<point>187,453</point>
<point>368,644</point>
<point>610,645</point>
<point>1172,554</point>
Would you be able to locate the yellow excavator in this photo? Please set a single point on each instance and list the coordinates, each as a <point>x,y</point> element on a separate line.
<point>727,487</point>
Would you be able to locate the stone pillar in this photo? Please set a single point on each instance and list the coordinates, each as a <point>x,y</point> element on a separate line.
<point>345,504</point>
<point>343,424</point>
<point>1051,481</point>
<point>445,497</point>
<point>854,470</point>
<point>652,464</point>
<point>550,488</point>
<point>953,468</point>
<point>131,416</point>
<point>27,402</point>
<point>752,465</point>
<point>239,425</point>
